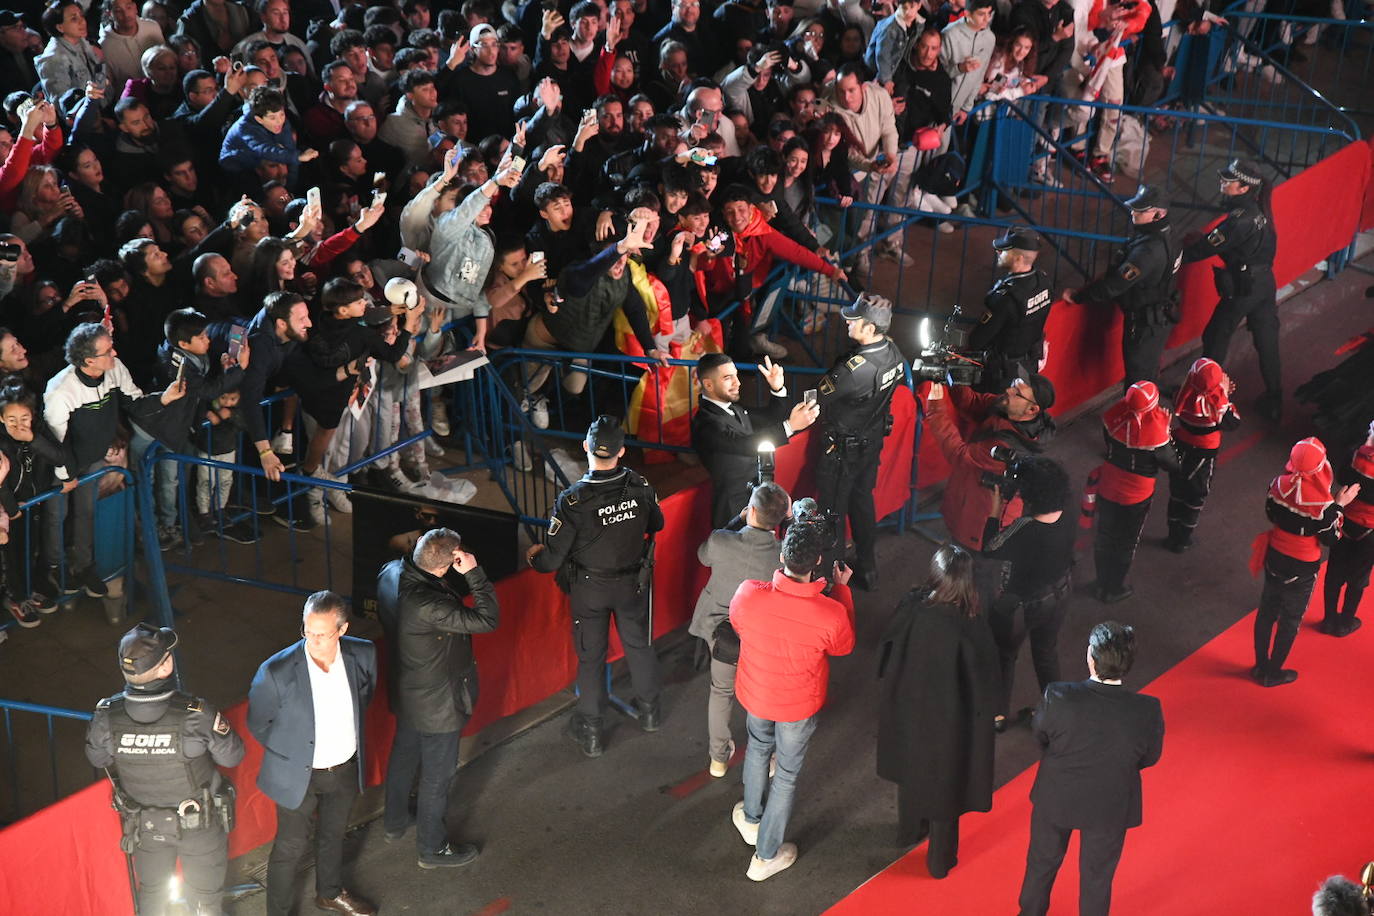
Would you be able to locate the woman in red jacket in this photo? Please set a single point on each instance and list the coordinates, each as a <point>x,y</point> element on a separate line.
<point>1352,556</point>
<point>1305,516</point>
<point>1204,410</point>
<point>1138,446</point>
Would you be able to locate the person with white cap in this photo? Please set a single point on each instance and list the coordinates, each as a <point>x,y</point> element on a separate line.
<point>1246,243</point>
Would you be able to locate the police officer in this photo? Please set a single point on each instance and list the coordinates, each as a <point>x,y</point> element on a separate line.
<point>855,399</point>
<point>1012,330</point>
<point>160,748</point>
<point>600,543</point>
<point>1246,242</point>
<point>1142,282</point>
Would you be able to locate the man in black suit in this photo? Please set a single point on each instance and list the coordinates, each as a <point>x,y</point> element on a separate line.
<point>306,707</point>
<point>1097,737</point>
<point>727,436</point>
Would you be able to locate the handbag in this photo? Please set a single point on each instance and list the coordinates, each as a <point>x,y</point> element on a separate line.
<point>725,643</point>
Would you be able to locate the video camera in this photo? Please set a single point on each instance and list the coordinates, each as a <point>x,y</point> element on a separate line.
<point>947,358</point>
<point>806,511</point>
<point>1007,482</point>
<point>767,465</point>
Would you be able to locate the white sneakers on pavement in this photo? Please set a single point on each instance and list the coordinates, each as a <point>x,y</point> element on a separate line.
<point>718,768</point>
<point>763,869</point>
<point>750,832</point>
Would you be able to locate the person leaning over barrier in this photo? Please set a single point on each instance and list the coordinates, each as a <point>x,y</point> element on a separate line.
<point>747,548</point>
<point>160,747</point>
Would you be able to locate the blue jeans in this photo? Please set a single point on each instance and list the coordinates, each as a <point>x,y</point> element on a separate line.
<point>165,477</point>
<point>790,740</point>
<point>435,756</point>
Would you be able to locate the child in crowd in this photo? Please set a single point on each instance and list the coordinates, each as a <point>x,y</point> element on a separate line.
<point>217,439</point>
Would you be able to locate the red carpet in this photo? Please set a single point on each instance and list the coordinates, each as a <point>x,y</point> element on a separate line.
<point>1259,796</point>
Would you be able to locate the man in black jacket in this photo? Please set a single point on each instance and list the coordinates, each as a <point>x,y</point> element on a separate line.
<point>727,436</point>
<point>1097,737</point>
<point>433,683</point>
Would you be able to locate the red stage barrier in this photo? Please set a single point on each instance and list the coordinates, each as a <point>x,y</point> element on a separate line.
<point>65,858</point>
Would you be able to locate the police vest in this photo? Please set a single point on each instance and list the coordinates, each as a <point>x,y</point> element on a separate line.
<point>1030,296</point>
<point>150,758</point>
<point>1151,253</point>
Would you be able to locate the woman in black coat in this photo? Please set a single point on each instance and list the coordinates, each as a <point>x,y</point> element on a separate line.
<point>938,666</point>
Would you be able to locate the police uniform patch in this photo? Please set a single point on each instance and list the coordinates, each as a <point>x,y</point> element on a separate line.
<point>827,386</point>
<point>221,726</point>
<point>987,316</point>
<point>854,362</point>
<point>1129,272</point>
<point>554,525</point>
<point>1216,237</point>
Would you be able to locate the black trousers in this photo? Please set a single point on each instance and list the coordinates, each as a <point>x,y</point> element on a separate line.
<point>942,852</point>
<point>594,601</point>
<point>845,484</point>
<point>204,856</point>
<point>1188,489</point>
<point>1261,316</point>
<point>1282,605</point>
<point>1099,851</point>
<point>1014,618</point>
<point>328,801</point>
<point>1142,347</point>
<point>1348,568</point>
<point>1116,536</point>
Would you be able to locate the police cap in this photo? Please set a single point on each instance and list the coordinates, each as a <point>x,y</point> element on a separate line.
<point>1018,237</point>
<point>605,438</point>
<point>1147,197</point>
<point>144,647</point>
<point>876,310</point>
<point>1242,170</point>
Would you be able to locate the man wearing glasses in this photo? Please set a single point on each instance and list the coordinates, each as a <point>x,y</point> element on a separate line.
<point>306,707</point>
<point>1005,427</point>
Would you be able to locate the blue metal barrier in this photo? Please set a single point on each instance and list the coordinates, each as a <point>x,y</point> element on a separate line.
<point>8,710</point>
<point>1341,61</point>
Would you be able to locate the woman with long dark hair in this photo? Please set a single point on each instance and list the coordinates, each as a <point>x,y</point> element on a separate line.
<point>939,672</point>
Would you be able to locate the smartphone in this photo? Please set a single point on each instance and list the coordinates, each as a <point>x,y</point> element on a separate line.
<point>312,197</point>
<point>378,196</point>
<point>236,333</point>
<point>550,5</point>
<point>809,396</point>
<point>536,257</point>
<point>378,179</point>
<point>518,163</point>
<point>179,361</point>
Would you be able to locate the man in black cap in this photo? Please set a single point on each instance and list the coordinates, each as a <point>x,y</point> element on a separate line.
<point>601,545</point>
<point>1142,282</point>
<point>16,53</point>
<point>160,747</point>
<point>1246,242</point>
<point>855,397</point>
<point>1012,330</point>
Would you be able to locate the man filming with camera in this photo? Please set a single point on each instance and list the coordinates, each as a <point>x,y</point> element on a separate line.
<point>1004,427</point>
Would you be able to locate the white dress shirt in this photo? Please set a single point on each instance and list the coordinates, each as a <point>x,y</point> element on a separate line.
<point>729,408</point>
<point>336,732</point>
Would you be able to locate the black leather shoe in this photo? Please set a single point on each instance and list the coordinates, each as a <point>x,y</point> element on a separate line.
<point>1270,406</point>
<point>1257,673</point>
<point>865,580</point>
<point>1329,626</point>
<point>586,735</point>
<point>1174,546</point>
<point>650,716</point>
<point>1346,626</point>
<point>1107,597</point>
<point>450,856</point>
<point>1279,678</point>
<point>346,903</point>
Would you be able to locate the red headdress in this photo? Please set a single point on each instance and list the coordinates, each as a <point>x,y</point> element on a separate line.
<point>1203,400</point>
<point>1137,420</point>
<point>1305,484</point>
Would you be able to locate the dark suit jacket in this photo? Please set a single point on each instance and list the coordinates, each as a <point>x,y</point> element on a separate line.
<point>733,556</point>
<point>281,715</point>
<point>729,447</point>
<point>1096,739</point>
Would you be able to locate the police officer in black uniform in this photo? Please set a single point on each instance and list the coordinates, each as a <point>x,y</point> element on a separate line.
<point>855,398</point>
<point>1142,283</point>
<point>1246,242</point>
<point>160,748</point>
<point>601,545</point>
<point>1012,330</point>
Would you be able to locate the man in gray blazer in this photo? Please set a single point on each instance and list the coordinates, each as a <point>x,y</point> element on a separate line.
<point>306,708</point>
<point>747,548</point>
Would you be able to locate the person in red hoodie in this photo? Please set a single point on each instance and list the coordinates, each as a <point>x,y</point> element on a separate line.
<point>1138,445</point>
<point>1203,410</point>
<point>1305,515</point>
<point>737,271</point>
<point>1352,556</point>
<point>787,628</point>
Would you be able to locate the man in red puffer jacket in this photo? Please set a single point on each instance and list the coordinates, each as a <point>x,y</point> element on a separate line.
<point>786,628</point>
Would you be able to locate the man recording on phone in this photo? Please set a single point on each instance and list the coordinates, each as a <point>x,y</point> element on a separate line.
<point>855,399</point>
<point>1004,426</point>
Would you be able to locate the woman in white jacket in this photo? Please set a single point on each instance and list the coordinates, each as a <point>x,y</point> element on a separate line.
<point>69,61</point>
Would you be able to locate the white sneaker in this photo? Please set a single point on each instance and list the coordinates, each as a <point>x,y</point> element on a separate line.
<point>750,832</point>
<point>314,505</point>
<point>571,469</point>
<point>891,252</point>
<point>951,201</point>
<point>432,447</point>
<point>718,768</point>
<point>393,479</point>
<point>965,210</point>
<point>761,870</point>
<point>453,490</point>
<point>338,499</point>
<point>539,412</point>
<point>945,227</point>
<point>438,417</point>
<point>283,443</point>
<point>520,457</point>
<point>759,343</point>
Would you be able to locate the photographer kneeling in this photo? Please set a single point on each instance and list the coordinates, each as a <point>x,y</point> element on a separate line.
<point>1005,426</point>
